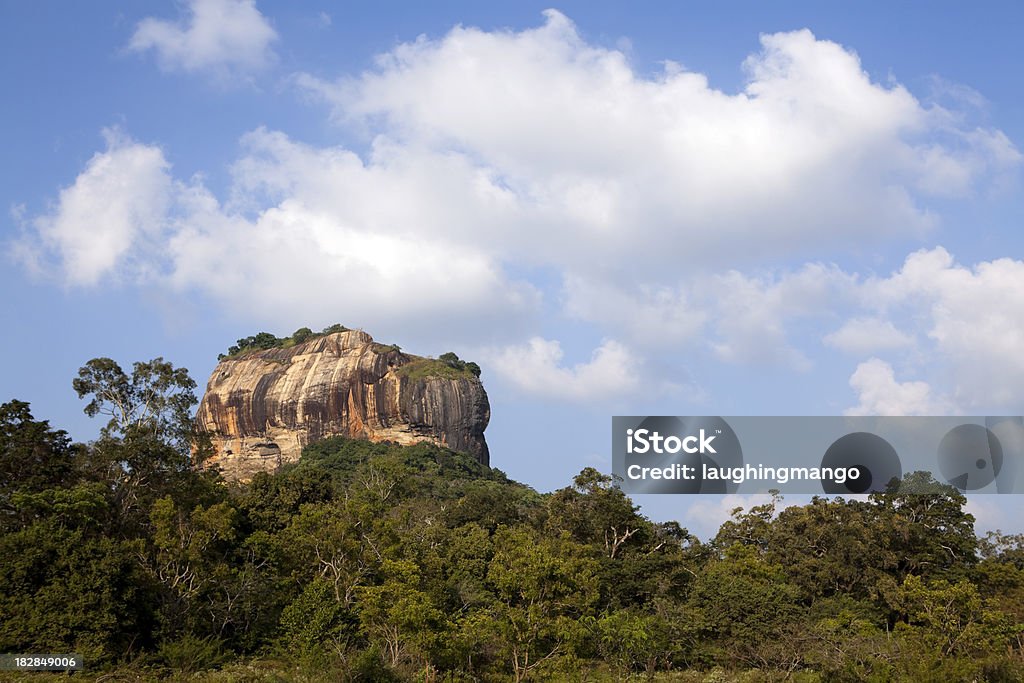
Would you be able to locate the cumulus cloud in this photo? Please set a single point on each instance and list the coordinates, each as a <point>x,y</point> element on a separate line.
<point>225,37</point>
<point>753,312</point>
<point>658,317</point>
<point>297,256</point>
<point>667,169</point>
<point>300,264</point>
<point>536,368</point>
<point>958,323</point>
<point>971,316</point>
<point>118,202</point>
<point>867,335</point>
<point>881,394</point>
<point>742,318</point>
<point>652,202</point>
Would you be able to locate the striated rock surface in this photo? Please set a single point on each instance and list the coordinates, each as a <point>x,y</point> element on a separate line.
<point>263,407</point>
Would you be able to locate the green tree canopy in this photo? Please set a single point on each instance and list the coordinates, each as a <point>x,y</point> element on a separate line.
<point>156,399</point>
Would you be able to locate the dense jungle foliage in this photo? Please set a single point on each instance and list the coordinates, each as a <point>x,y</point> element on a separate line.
<point>374,562</point>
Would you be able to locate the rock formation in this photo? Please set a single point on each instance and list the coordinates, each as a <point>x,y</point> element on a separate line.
<point>262,407</point>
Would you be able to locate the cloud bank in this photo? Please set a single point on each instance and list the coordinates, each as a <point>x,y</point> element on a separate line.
<point>652,202</point>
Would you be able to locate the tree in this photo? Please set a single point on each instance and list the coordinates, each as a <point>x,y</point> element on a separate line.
<point>453,361</point>
<point>65,589</point>
<point>145,449</point>
<point>156,399</point>
<point>629,640</point>
<point>33,456</point>
<point>752,528</point>
<point>329,542</point>
<point>544,587</point>
<point>745,603</point>
<point>595,511</point>
<point>189,560</point>
<point>829,547</point>
<point>1005,548</point>
<point>315,623</point>
<point>302,334</point>
<point>400,618</point>
<point>923,528</point>
<point>946,630</point>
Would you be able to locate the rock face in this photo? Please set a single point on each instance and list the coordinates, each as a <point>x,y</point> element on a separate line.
<point>263,407</point>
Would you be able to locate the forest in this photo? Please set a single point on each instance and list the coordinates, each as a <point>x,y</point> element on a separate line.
<point>377,562</point>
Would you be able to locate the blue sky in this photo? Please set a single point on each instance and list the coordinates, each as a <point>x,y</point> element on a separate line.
<point>700,208</point>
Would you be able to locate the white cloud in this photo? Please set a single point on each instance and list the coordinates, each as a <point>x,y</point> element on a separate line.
<point>496,155</point>
<point>536,368</point>
<point>971,315</point>
<point>618,171</point>
<point>226,37</point>
<point>302,264</point>
<point>317,250</point>
<point>868,335</point>
<point>396,190</point>
<point>881,394</point>
<point>303,221</point>
<point>651,317</point>
<point>752,312</point>
<point>961,325</point>
<point>741,318</point>
<point>117,202</point>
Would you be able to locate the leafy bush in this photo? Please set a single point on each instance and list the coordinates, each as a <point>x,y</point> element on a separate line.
<point>447,366</point>
<point>453,361</point>
<point>266,340</point>
<point>189,653</point>
<point>302,334</point>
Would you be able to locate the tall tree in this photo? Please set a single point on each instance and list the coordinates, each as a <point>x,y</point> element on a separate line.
<point>924,529</point>
<point>155,400</point>
<point>145,449</point>
<point>33,456</point>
